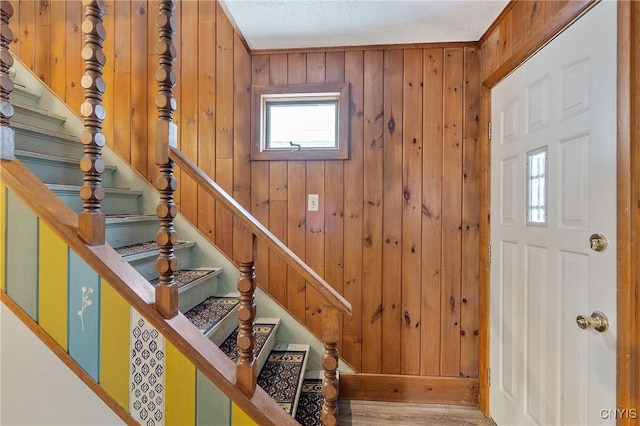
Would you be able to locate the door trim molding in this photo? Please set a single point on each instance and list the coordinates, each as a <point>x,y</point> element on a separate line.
<point>628,155</point>
<point>628,205</point>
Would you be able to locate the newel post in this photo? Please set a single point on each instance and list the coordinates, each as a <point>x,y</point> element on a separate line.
<point>166,135</point>
<point>246,368</point>
<point>91,220</point>
<point>330,331</point>
<point>7,135</point>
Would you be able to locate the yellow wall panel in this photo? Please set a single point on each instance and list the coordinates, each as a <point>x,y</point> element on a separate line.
<point>3,206</point>
<point>180,388</point>
<point>114,344</point>
<point>240,418</point>
<point>53,264</point>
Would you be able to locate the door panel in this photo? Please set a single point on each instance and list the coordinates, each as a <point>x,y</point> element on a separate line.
<point>553,185</point>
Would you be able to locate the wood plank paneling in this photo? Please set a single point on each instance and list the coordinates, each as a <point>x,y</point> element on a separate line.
<point>391,308</point>
<point>412,212</point>
<point>374,119</point>
<point>431,212</point>
<point>206,112</point>
<point>353,211</point>
<point>188,105</point>
<point>451,213</point>
<point>138,106</point>
<point>470,216</point>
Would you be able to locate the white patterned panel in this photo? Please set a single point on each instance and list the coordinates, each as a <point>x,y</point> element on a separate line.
<point>572,405</point>
<point>509,129</point>
<point>508,318</point>
<point>146,397</point>
<point>574,182</point>
<point>575,88</point>
<point>537,105</point>
<point>535,329</point>
<point>508,170</point>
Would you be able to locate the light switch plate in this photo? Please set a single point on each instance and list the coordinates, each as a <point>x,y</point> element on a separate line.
<point>313,202</point>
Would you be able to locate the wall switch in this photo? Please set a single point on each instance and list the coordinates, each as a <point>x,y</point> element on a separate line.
<point>313,202</point>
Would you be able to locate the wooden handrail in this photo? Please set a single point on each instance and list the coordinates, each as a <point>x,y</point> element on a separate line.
<point>253,225</point>
<point>135,289</point>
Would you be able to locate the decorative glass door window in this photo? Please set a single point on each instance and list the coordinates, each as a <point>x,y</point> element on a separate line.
<point>537,187</point>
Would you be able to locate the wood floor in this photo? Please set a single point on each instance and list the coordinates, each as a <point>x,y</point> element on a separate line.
<point>361,413</point>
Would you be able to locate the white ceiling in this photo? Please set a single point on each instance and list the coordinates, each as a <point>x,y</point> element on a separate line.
<point>286,24</point>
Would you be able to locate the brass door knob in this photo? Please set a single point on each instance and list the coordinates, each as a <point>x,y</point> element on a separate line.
<point>598,321</point>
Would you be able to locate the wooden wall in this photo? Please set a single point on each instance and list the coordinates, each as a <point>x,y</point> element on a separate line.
<point>397,231</point>
<point>213,69</point>
<point>519,31</point>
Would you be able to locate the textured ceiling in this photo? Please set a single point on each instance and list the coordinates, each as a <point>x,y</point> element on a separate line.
<point>285,24</point>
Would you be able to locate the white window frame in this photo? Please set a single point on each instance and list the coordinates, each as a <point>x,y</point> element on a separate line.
<point>263,96</point>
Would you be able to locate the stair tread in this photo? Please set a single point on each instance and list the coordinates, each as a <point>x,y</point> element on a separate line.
<point>280,376</point>
<point>187,276</point>
<point>262,332</point>
<point>33,129</point>
<point>62,187</point>
<point>310,404</point>
<point>211,311</point>
<point>40,111</point>
<point>144,247</point>
<point>56,158</point>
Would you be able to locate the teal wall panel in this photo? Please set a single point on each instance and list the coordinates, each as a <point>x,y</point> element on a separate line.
<point>84,315</point>
<point>213,408</point>
<point>22,255</point>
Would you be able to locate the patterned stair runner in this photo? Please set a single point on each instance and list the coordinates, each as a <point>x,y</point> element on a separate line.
<point>210,312</point>
<point>280,377</point>
<point>310,404</point>
<point>186,276</point>
<point>141,248</point>
<point>261,331</point>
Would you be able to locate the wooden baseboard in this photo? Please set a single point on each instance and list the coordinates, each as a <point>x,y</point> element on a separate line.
<point>420,389</point>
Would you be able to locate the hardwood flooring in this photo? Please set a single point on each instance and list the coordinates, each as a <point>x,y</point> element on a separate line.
<point>369,413</point>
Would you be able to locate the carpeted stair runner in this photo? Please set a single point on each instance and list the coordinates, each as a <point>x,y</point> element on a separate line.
<point>262,333</point>
<point>210,312</point>
<point>142,248</point>
<point>280,377</point>
<point>310,404</point>
<point>186,276</point>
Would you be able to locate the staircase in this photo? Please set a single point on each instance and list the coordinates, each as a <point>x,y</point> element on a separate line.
<point>47,144</point>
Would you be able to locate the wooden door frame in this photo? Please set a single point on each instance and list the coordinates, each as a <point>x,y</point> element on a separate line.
<point>628,208</point>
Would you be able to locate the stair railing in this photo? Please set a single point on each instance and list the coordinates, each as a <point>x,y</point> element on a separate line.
<point>91,221</point>
<point>7,134</point>
<point>166,153</point>
<point>335,302</point>
<point>166,134</point>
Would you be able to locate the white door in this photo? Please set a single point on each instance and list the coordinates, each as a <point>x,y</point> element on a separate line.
<point>553,185</point>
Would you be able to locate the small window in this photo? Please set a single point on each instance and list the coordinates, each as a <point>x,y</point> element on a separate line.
<point>537,187</point>
<point>300,122</point>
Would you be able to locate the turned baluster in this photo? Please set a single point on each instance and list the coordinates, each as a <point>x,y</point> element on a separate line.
<point>91,220</point>
<point>246,368</point>
<point>330,331</point>
<point>166,134</point>
<point>7,135</point>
